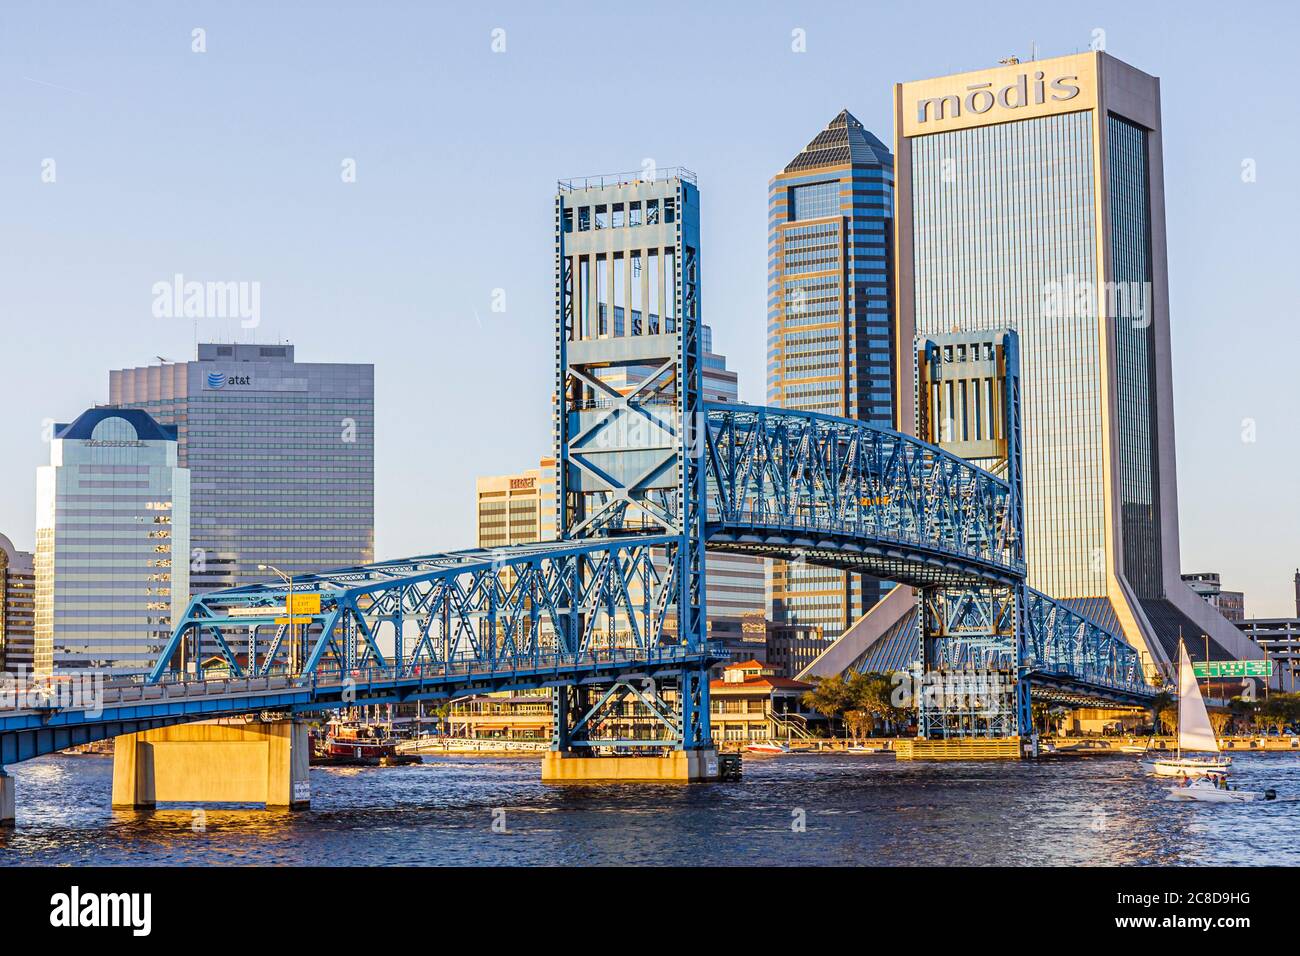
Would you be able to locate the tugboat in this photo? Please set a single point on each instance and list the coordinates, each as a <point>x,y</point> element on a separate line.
<point>349,744</point>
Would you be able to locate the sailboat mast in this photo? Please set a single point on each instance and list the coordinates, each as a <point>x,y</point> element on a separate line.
<point>1178,724</point>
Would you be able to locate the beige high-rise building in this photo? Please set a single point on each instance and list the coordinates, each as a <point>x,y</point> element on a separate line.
<point>517,509</point>
<point>1031,196</point>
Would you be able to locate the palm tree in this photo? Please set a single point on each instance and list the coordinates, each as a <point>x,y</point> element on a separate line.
<point>873,692</point>
<point>830,696</point>
<point>1163,704</point>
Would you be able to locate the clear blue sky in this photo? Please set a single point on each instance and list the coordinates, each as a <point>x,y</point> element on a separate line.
<point>226,165</point>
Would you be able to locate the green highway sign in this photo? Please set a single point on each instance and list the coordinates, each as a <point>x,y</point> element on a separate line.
<point>1233,668</point>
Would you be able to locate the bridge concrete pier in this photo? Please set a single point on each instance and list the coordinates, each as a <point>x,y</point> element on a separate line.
<point>6,799</point>
<point>263,763</point>
<point>681,766</point>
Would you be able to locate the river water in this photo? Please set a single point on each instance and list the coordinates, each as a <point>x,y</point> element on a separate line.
<point>793,809</point>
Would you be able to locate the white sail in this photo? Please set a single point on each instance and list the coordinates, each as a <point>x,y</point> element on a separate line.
<point>1194,729</point>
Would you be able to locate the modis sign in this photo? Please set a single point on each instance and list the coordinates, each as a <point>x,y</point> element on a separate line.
<point>1014,92</point>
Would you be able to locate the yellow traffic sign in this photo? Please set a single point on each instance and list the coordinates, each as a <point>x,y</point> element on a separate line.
<point>307,602</point>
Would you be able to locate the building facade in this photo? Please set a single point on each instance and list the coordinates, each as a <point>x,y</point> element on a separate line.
<point>112,542</point>
<point>829,325</point>
<point>750,703</point>
<point>280,453</point>
<point>17,608</point>
<point>1279,637</point>
<point>1207,585</point>
<point>1031,196</point>
<point>516,509</point>
<point>791,648</point>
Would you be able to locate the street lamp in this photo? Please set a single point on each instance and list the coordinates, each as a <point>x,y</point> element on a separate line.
<point>288,607</point>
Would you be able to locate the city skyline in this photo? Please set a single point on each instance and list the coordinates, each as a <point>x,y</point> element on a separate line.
<point>1226,438</point>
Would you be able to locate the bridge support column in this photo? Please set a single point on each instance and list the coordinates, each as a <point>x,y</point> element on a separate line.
<point>214,763</point>
<point>633,730</point>
<point>681,766</point>
<point>6,799</point>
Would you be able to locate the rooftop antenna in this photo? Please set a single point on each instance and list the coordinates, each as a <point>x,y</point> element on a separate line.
<point>1033,47</point>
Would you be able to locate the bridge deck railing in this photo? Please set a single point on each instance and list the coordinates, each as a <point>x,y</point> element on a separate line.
<point>177,686</point>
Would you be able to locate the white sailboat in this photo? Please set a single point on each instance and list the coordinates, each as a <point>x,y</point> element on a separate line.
<point>1195,732</point>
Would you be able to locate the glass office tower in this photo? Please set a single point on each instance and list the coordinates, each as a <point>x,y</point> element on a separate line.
<point>830,325</point>
<point>112,538</point>
<point>17,607</point>
<point>1031,196</point>
<point>281,455</point>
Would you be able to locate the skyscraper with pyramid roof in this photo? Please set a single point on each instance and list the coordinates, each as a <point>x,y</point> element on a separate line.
<point>829,323</point>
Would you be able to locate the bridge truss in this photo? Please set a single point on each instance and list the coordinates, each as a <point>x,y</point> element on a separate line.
<point>612,616</point>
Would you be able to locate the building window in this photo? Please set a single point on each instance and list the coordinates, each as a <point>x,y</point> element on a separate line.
<point>815,200</point>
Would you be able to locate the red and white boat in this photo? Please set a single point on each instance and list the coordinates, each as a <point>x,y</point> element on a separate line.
<point>767,747</point>
<point>358,745</point>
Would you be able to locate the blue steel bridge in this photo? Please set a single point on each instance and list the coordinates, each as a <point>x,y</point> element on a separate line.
<point>612,616</point>
<point>599,612</point>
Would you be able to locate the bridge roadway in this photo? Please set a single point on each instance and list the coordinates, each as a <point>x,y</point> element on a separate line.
<point>784,484</point>
<point>125,707</point>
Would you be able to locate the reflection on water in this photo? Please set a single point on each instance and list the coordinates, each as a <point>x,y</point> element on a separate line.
<point>854,810</point>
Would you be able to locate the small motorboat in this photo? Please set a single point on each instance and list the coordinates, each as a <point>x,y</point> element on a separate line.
<point>1214,788</point>
<point>1195,733</point>
<point>767,747</point>
<point>859,749</point>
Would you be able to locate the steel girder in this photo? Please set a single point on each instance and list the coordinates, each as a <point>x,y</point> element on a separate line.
<point>504,608</point>
<point>1061,642</point>
<point>841,492</point>
<point>1030,638</point>
<point>969,671</point>
<point>633,714</point>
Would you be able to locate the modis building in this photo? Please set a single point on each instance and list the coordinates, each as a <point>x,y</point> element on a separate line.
<point>1031,196</point>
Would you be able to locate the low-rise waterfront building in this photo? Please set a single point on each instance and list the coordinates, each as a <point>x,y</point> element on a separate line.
<point>751,702</point>
<point>500,717</point>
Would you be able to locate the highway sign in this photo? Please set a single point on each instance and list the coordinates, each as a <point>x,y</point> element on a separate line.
<point>1233,668</point>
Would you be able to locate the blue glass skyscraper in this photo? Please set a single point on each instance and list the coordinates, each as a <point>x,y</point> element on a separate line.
<point>829,323</point>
